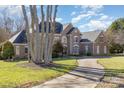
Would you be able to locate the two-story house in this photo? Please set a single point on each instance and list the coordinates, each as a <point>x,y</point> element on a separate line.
<point>73,41</point>
<point>67,34</point>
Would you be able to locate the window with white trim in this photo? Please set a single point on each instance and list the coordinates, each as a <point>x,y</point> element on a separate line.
<point>105,50</point>
<point>76,39</point>
<point>56,39</point>
<point>17,50</point>
<point>86,49</point>
<point>64,39</point>
<point>97,51</point>
<point>76,50</point>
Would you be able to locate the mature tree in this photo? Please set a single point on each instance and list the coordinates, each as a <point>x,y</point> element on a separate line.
<point>27,31</point>
<point>40,40</point>
<point>53,25</point>
<point>42,34</point>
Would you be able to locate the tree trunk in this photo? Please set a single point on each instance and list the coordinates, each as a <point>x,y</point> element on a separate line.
<point>46,37</point>
<point>27,31</point>
<point>42,34</point>
<point>32,33</point>
<point>50,35</point>
<point>37,36</point>
<point>53,24</point>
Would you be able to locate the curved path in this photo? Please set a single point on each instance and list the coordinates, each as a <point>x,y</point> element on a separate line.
<point>87,75</point>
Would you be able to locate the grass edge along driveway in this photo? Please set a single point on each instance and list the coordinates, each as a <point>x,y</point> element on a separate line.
<point>114,68</point>
<point>14,74</point>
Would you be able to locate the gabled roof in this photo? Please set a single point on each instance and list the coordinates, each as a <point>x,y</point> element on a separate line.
<point>72,29</point>
<point>90,36</point>
<point>66,25</point>
<point>20,37</point>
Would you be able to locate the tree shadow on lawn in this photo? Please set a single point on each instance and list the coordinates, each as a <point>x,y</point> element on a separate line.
<point>89,73</point>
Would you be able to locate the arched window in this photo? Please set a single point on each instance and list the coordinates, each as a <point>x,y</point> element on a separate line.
<point>64,39</point>
<point>64,49</point>
<point>76,39</point>
<point>76,49</point>
<point>56,39</point>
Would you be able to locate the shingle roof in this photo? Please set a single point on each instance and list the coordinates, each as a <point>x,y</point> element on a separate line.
<point>58,27</point>
<point>72,29</point>
<point>20,37</point>
<point>90,36</point>
<point>65,25</point>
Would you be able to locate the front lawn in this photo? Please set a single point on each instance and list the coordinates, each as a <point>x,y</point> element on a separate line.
<point>114,72</point>
<point>22,74</point>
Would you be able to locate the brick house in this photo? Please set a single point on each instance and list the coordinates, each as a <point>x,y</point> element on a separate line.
<point>74,42</point>
<point>93,43</point>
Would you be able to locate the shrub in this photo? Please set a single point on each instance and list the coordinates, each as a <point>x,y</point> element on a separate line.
<point>8,50</point>
<point>57,49</point>
<point>88,54</point>
<point>0,52</point>
<point>116,48</point>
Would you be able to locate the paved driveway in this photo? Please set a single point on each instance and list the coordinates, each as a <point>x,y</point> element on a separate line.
<point>86,75</point>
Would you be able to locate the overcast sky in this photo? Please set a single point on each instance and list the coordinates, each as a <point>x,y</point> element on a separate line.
<point>86,18</point>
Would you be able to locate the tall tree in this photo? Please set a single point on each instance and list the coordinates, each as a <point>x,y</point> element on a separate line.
<point>42,33</point>
<point>47,36</point>
<point>53,28</point>
<point>37,36</point>
<point>32,33</point>
<point>27,31</point>
<point>40,42</point>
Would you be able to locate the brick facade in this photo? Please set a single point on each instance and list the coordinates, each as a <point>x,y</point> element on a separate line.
<point>71,39</point>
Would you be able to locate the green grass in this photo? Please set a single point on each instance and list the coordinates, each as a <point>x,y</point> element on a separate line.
<point>114,68</point>
<point>14,75</point>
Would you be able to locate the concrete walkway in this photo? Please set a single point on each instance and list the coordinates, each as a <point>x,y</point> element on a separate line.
<point>86,75</point>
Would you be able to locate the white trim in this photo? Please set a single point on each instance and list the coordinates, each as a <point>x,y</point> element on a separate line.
<point>57,34</point>
<point>64,39</point>
<point>17,44</point>
<point>76,45</point>
<point>97,49</point>
<point>105,50</point>
<point>75,37</point>
<point>17,50</point>
<point>75,49</point>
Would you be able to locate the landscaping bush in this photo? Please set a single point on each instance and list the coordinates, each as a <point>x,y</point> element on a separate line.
<point>8,50</point>
<point>0,52</point>
<point>88,54</point>
<point>116,48</point>
<point>57,49</point>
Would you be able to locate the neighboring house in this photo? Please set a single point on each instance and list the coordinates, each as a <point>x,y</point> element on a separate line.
<point>73,41</point>
<point>93,43</point>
